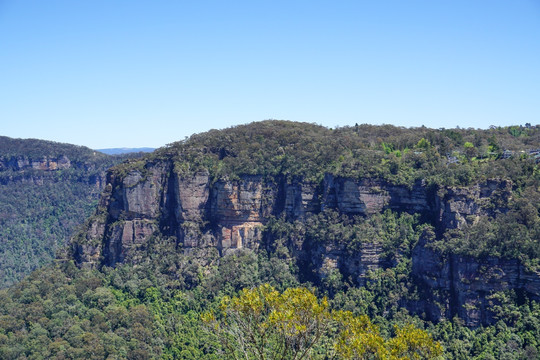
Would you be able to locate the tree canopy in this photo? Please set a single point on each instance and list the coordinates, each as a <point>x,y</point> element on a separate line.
<point>263,323</point>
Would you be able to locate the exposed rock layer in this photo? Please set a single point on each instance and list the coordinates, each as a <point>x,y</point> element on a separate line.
<point>38,171</point>
<point>231,214</point>
<point>461,285</point>
<point>44,163</point>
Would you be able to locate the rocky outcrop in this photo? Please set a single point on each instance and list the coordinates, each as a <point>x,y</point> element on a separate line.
<point>227,214</point>
<point>449,207</point>
<point>47,169</point>
<point>125,239</point>
<point>45,163</point>
<point>191,194</point>
<point>457,285</point>
<point>231,214</point>
<point>369,196</point>
<point>330,258</point>
<point>457,206</point>
<point>300,199</point>
<point>239,210</point>
<point>129,212</point>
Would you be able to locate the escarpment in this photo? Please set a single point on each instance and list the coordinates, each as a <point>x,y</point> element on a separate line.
<point>46,163</point>
<point>465,286</point>
<point>227,214</point>
<point>46,169</point>
<point>224,191</point>
<point>231,214</point>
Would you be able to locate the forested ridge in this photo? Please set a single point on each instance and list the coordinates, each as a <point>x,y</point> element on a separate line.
<point>172,300</point>
<point>47,189</point>
<point>399,155</point>
<point>37,149</point>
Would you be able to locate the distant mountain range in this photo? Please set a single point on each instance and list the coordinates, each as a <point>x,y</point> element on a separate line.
<point>118,151</point>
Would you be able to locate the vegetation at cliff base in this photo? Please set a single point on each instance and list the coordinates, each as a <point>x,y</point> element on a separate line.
<point>62,312</point>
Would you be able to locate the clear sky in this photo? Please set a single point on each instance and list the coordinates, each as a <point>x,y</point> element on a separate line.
<point>105,73</point>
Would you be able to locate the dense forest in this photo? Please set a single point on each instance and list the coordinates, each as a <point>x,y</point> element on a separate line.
<point>160,280</point>
<point>399,155</point>
<point>62,312</point>
<point>47,189</point>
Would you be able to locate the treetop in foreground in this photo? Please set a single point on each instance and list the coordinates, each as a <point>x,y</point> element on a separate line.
<point>263,323</point>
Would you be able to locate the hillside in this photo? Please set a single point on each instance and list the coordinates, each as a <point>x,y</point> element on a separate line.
<point>47,189</point>
<point>435,228</point>
<point>227,190</point>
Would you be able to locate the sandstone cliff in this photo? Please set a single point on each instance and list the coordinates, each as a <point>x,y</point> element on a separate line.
<point>39,170</point>
<point>43,163</point>
<point>461,285</point>
<point>202,212</point>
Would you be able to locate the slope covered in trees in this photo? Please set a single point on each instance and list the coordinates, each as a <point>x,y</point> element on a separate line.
<point>47,189</point>
<point>62,312</point>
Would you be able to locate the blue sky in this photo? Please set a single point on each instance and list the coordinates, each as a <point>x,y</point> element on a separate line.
<point>147,73</point>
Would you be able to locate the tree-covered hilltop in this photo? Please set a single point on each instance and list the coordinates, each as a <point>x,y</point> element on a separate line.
<point>47,189</point>
<point>38,149</point>
<point>399,155</point>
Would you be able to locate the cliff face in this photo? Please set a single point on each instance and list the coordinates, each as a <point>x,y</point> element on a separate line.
<point>462,285</point>
<point>44,163</point>
<point>231,214</point>
<point>24,169</point>
<point>459,205</point>
<point>225,214</point>
<point>368,196</point>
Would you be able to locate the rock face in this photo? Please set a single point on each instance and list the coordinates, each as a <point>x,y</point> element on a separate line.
<point>460,205</point>
<point>226,214</point>
<point>239,210</point>
<point>202,212</point>
<point>22,169</point>
<point>132,206</point>
<point>457,285</point>
<point>369,196</point>
<point>300,199</point>
<point>45,163</point>
<point>327,259</point>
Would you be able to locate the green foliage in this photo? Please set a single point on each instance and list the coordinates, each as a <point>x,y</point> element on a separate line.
<point>38,149</point>
<point>40,209</point>
<point>423,144</point>
<point>514,234</point>
<point>262,323</point>
<point>396,233</point>
<point>309,151</point>
<point>139,312</point>
<point>69,313</point>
